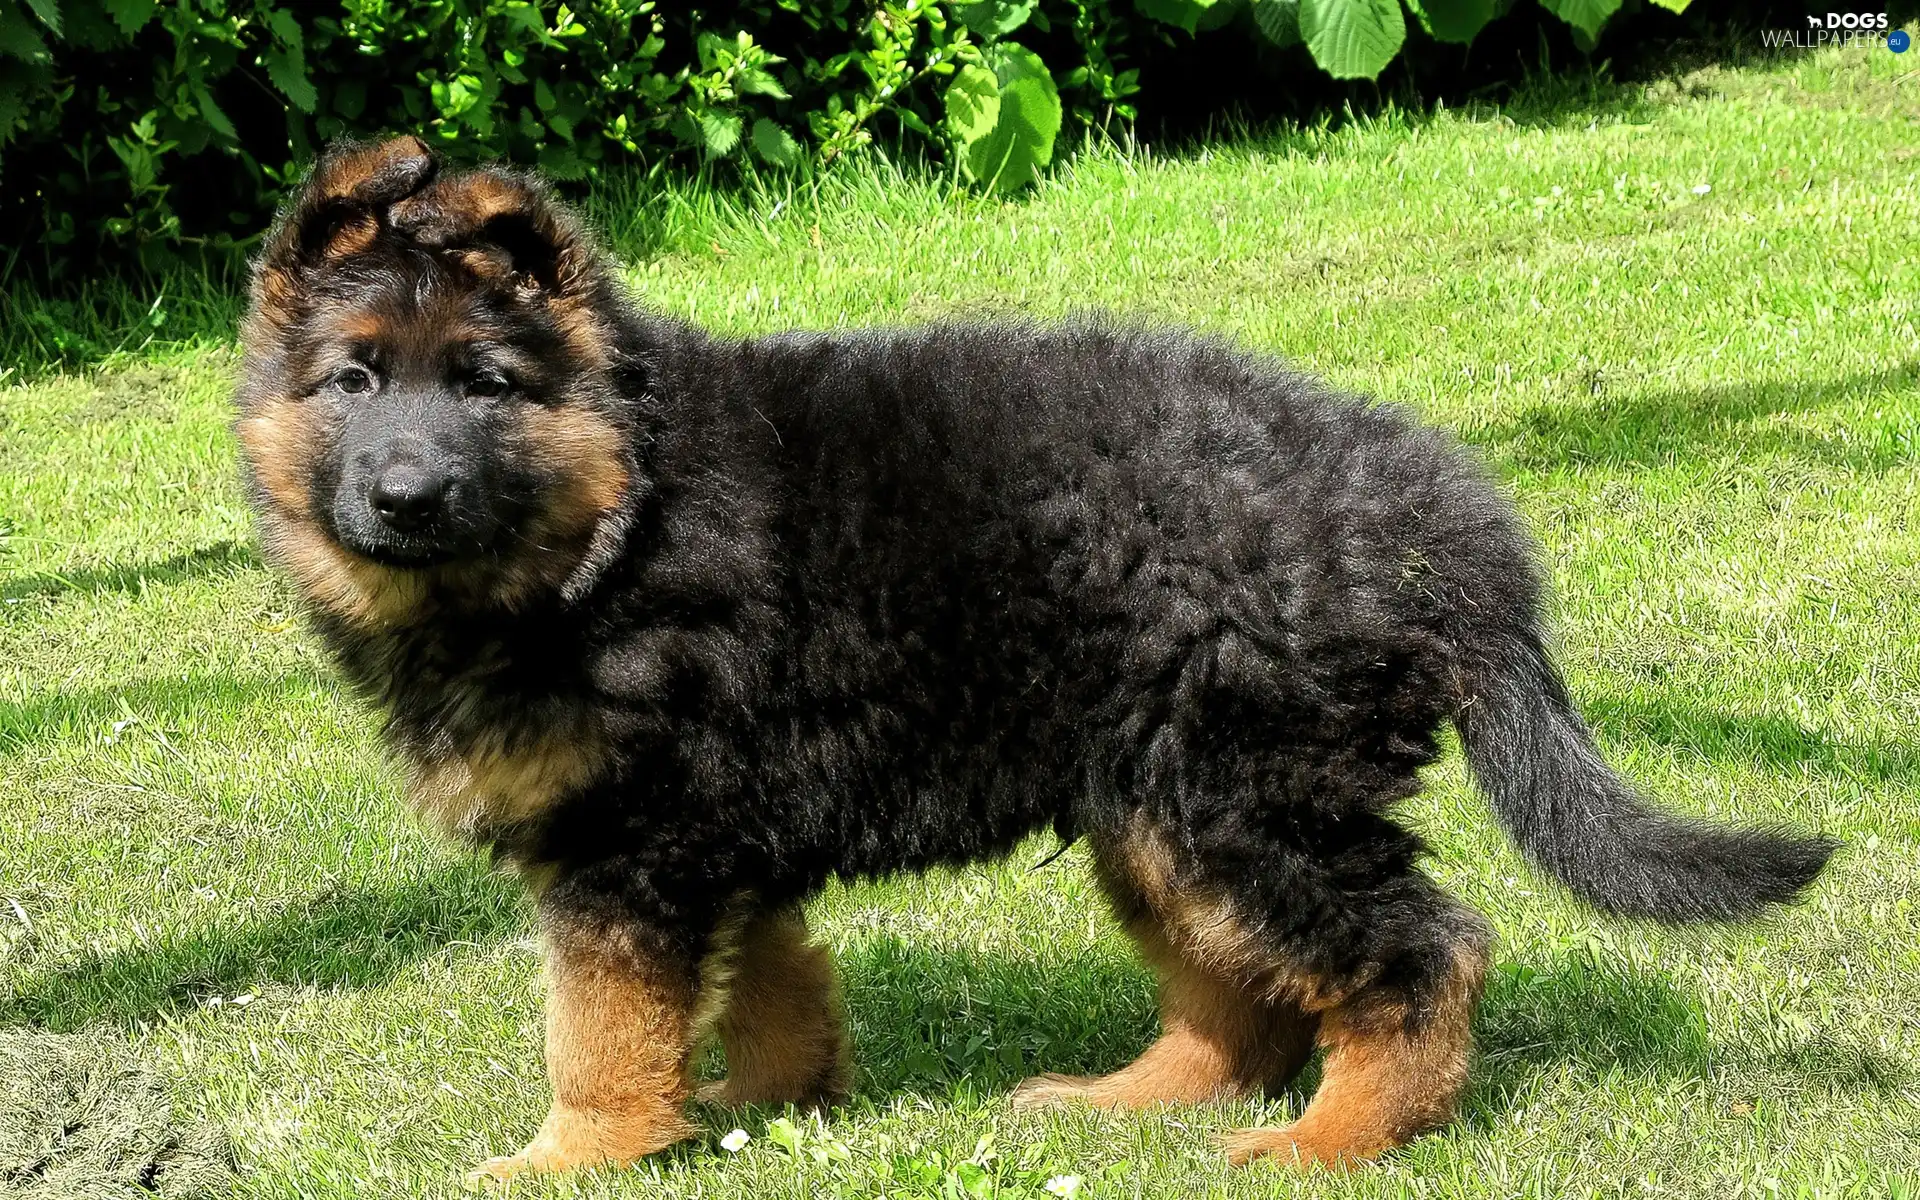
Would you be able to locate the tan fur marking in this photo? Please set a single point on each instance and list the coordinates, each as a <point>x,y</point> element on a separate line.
<point>579,323</point>
<point>345,174</point>
<point>488,263</point>
<point>352,237</point>
<point>1217,1040</point>
<point>620,1037</point>
<point>360,326</point>
<point>279,441</point>
<point>1206,930</point>
<point>587,452</point>
<point>584,455</point>
<point>719,966</point>
<point>1381,1087</point>
<point>463,203</point>
<point>338,580</point>
<point>784,1027</point>
<point>276,298</point>
<point>465,793</point>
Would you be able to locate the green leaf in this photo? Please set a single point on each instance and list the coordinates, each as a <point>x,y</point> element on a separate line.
<point>286,27</point>
<point>130,15</point>
<point>1353,39</point>
<point>350,98</point>
<point>1184,13</point>
<point>973,1180</point>
<point>561,161</point>
<point>288,70</point>
<point>19,39</point>
<point>1452,20</point>
<point>528,18</point>
<point>1218,15</point>
<point>1021,143</point>
<point>1278,21</point>
<point>49,13</point>
<point>1585,15</point>
<point>775,145</point>
<point>1678,6</point>
<point>973,105</point>
<point>211,114</point>
<point>719,132</point>
<point>994,19</point>
<point>754,82</point>
<point>786,1135</point>
<point>13,106</point>
<point>708,46</point>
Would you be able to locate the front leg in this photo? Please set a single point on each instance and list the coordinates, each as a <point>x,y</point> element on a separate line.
<point>620,1040</point>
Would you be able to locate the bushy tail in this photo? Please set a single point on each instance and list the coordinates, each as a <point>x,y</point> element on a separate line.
<point>1580,823</point>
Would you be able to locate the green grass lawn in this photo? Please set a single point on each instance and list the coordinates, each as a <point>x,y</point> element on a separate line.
<point>1679,320</point>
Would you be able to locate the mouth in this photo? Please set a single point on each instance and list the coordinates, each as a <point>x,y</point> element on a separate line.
<point>410,553</point>
<point>406,557</point>
<point>403,555</point>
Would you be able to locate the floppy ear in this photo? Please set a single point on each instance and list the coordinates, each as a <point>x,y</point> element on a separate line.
<point>502,226</point>
<point>339,209</point>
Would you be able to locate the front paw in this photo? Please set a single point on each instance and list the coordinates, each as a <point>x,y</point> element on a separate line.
<point>1051,1090</point>
<point>496,1172</point>
<point>540,1156</point>
<point>1290,1145</point>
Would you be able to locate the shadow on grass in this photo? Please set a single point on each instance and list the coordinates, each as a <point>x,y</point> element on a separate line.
<point>1664,428</point>
<point>937,1023</point>
<point>352,938</point>
<point>958,1028</point>
<point>1763,743</point>
<point>156,703</point>
<point>205,562</point>
<point>951,1026</point>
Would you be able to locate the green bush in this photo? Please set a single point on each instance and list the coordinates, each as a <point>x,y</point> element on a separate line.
<point>133,128</point>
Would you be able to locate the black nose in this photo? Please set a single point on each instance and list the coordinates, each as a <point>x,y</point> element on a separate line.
<point>408,496</point>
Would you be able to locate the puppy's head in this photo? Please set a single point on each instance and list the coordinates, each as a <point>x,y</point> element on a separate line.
<point>426,406</point>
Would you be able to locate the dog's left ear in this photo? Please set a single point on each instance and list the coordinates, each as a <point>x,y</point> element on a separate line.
<point>334,217</point>
<point>502,225</point>
<point>337,211</point>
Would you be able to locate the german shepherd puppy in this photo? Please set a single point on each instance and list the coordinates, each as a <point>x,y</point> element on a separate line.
<point>682,627</point>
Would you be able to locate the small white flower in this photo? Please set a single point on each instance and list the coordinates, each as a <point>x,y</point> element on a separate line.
<point>1064,1186</point>
<point>734,1142</point>
<point>1702,189</point>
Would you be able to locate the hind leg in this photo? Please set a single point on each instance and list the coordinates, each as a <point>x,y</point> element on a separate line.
<point>1397,1057</point>
<point>783,1028</point>
<point>1223,1034</point>
<point>1217,1041</point>
<point>1360,952</point>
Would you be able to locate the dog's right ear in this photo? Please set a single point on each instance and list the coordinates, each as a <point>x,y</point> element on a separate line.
<point>337,211</point>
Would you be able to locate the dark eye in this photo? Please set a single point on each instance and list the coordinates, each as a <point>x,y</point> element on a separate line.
<point>486,387</point>
<point>354,381</point>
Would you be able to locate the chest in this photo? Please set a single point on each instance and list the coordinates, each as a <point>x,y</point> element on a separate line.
<point>505,780</point>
